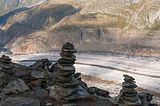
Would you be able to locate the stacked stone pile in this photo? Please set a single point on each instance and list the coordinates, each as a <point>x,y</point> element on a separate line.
<point>67,86</point>
<point>6,66</point>
<point>6,71</point>
<point>128,95</point>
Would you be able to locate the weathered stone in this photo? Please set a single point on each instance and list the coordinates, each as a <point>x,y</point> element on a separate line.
<point>40,93</point>
<point>41,64</point>
<point>69,84</point>
<point>20,101</point>
<point>64,79</point>
<point>65,56</point>
<point>38,74</point>
<point>16,86</point>
<point>146,99</point>
<point>5,59</point>
<point>82,92</point>
<point>65,62</point>
<point>53,68</point>
<point>22,73</point>
<point>98,92</point>
<point>128,95</point>
<point>65,68</point>
<point>5,65</point>
<point>5,78</point>
<point>34,83</point>
<point>65,92</point>
<point>67,88</point>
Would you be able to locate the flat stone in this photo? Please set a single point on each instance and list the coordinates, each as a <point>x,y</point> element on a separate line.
<point>63,79</point>
<point>128,78</point>
<point>69,50</point>
<point>65,73</point>
<point>4,79</point>
<point>5,59</point>
<point>131,99</point>
<point>66,62</point>
<point>71,57</point>
<point>65,68</point>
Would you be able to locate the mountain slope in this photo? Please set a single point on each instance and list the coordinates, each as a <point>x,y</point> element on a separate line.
<point>121,26</point>
<point>36,19</point>
<point>9,5</point>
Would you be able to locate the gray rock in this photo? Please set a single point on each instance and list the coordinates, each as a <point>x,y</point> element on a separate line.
<point>38,74</point>
<point>16,86</point>
<point>40,93</point>
<point>20,101</point>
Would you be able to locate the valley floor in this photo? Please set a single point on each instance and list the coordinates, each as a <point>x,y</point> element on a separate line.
<point>105,70</point>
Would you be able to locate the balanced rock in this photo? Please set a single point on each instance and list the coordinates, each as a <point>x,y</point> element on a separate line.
<point>5,65</point>
<point>67,87</point>
<point>5,59</point>
<point>128,95</point>
<point>6,71</point>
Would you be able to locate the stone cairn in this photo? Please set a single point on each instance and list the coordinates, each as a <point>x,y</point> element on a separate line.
<point>6,64</point>
<point>128,95</point>
<point>66,86</point>
<point>6,71</point>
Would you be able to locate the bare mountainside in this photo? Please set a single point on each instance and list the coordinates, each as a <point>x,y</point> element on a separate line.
<point>121,26</point>
<point>9,5</point>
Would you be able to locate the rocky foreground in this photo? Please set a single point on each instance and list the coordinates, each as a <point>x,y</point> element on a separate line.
<point>47,84</point>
